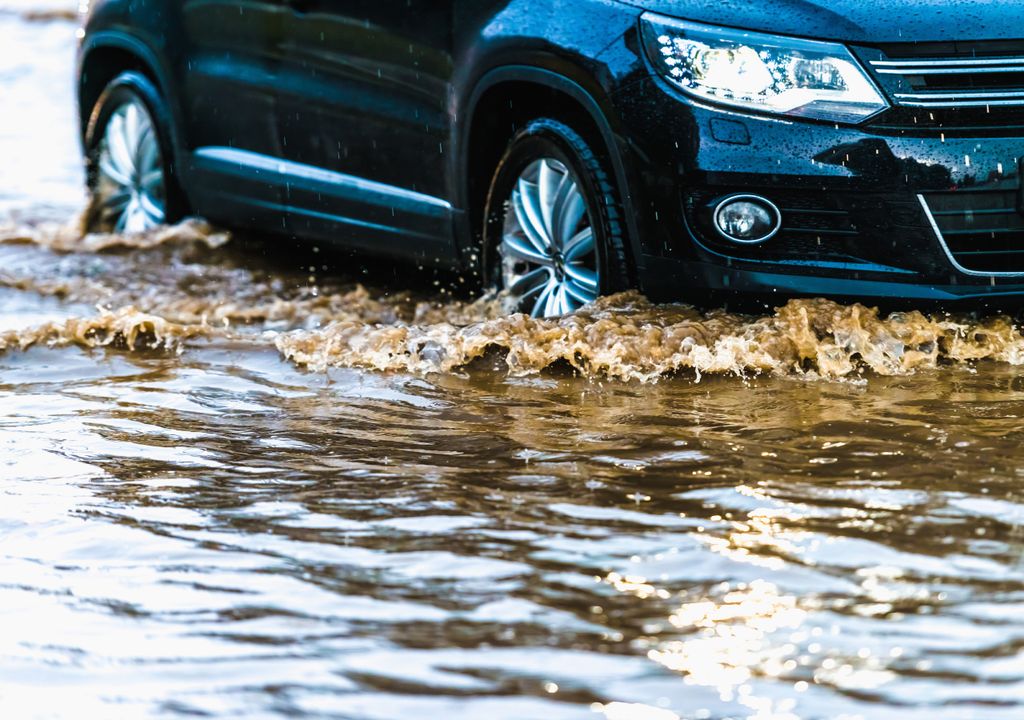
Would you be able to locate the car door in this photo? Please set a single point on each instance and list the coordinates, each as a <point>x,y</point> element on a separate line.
<point>364,122</point>
<point>229,76</point>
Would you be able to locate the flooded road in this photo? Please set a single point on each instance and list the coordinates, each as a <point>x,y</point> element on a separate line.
<point>231,486</point>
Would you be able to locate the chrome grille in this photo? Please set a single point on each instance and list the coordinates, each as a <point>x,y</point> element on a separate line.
<point>955,82</point>
<point>981,231</point>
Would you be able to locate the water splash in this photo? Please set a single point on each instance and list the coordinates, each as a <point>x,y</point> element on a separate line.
<point>74,236</point>
<point>188,279</point>
<point>627,338</point>
<point>126,328</point>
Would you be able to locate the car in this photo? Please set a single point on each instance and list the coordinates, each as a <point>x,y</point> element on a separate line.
<point>561,150</point>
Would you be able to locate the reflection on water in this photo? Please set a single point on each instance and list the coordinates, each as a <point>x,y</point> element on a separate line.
<point>218,532</point>
<point>192,524</point>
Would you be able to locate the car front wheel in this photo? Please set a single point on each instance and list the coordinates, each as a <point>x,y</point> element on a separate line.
<point>554,237</point>
<point>129,172</point>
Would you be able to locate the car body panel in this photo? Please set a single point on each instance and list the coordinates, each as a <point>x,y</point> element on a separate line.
<point>366,115</point>
<point>229,78</point>
<point>363,89</point>
<point>856,21</point>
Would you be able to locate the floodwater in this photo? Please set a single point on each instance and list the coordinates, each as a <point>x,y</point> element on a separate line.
<point>231,486</point>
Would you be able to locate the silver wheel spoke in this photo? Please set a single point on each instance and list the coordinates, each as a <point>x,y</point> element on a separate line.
<point>152,180</point>
<point>116,203</point>
<point>564,305</point>
<point>126,216</point>
<point>113,173</point>
<point>548,249</point>
<point>131,183</point>
<point>549,180</point>
<point>147,152</point>
<point>540,307</point>
<point>570,212</point>
<point>153,212</point>
<point>517,249</point>
<point>121,154</point>
<point>528,217</point>
<point>581,245</point>
<point>131,128</point>
<point>582,276</point>
<point>553,307</point>
<point>581,292</point>
<point>531,283</point>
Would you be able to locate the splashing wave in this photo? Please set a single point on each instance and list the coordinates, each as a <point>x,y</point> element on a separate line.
<point>625,337</point>
<point>171,285</point>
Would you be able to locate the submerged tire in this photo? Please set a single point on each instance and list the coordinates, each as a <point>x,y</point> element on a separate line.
<point>554,236</point>
<point>129,166</point>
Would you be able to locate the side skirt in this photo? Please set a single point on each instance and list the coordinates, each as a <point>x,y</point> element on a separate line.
<point>255,190</point>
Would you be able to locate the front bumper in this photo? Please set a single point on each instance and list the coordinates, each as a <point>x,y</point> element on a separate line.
<point>878,211</point>
<point>714,284</point>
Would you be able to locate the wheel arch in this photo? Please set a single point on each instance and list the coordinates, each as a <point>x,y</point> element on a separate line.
<point>539,92</point>
<point>105,55</point>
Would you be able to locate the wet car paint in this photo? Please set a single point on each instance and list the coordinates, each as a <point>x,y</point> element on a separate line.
<point>334,96</point>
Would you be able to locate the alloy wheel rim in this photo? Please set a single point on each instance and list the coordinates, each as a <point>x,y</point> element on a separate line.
<point>548,250</point>
<point>131,186</point>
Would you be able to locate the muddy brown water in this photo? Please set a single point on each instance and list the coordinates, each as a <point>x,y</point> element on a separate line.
<point>230,488</point>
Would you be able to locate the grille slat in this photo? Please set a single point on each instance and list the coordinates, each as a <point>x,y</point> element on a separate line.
<point>964,104</point>
<point>981,64</point>
<point>819,231</point>
<point>981,232</point>
<point>989,94</point>
<point>958,213</point>
<point>950,69</point>
<point>955,81</point>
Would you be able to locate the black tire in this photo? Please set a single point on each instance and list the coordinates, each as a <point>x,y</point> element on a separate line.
<point>543,138</point>
<point>126,87</point>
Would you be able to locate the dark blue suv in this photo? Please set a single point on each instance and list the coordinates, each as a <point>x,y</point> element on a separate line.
<point>564,149</point>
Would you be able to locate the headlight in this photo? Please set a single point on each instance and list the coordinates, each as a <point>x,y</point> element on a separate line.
<point>767,73</point>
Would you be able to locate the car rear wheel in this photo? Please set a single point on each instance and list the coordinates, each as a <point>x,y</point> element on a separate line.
<point>554,240</point>
<point>129,173</point>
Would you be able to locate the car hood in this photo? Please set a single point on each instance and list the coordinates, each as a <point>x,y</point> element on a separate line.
<point>856,21</point>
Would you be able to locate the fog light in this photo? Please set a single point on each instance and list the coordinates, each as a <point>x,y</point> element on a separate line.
<point>747,219</point>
